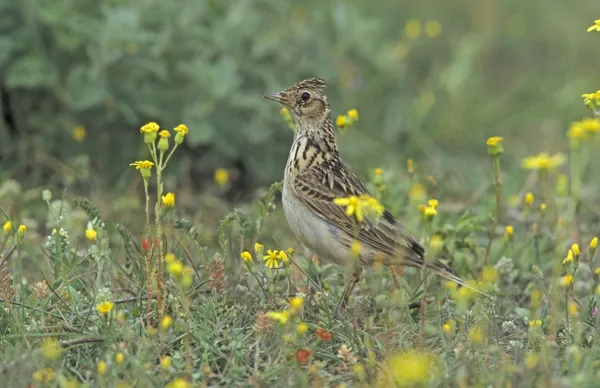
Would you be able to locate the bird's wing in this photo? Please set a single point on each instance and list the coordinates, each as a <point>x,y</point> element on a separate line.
<point>318,186</point>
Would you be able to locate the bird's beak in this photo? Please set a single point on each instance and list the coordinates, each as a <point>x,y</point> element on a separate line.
<point>277,97</point>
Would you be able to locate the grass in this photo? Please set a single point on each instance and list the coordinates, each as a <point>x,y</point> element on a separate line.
<point>172,299</point>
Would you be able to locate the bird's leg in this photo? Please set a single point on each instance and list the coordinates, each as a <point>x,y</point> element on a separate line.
<point>348,290</point>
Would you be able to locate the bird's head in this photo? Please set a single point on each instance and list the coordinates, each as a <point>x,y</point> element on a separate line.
<point>306,101</point>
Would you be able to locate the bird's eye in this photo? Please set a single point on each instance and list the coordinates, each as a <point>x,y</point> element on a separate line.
<point>305,96</point>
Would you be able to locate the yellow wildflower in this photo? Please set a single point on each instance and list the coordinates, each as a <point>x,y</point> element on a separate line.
<point>598,290</point>
<point>412,28</point>
<point>476,335</point>
<point>576,251</point>
<point>102,368</point>
<point>355,247</point>
<point>535,323</point>
<point>78,134</point>
<point>142,164</point>
<point>165,362</point>
<point>166,322</point>
<point>179,382</point>
<point>543,161</point>
<point>543,208</point>
<point>489,275</point>
<point>531,360</point>
<point>271,259</point>
<point>175,268</point>
<point>353,207</point>
<point>281,317</point>
<point>567,280</point>
<point>44,375</point>
<point>572,309</point>
<point>187,276</point>
<point>259,249</point>
<point>291,251</point>
<point>21,232</point>
<point>433,28</point>
<point>569,258</point>
<point>353,114</point>
<point>417,192</point>
<point>247,257</point>
<point>433,203</point>
<point>494,141</point>
<point>170,257</point>
<point>119,358</point>
<point>105,308</point>
<point>91,234</point>
<point>378,171</point>
<point>529,199</point>
<point>301,328</point>
<point>7,227</point>
<point>509,232</point>
<point>296,302</point>
<point>450,285</point>
<point>283,257</point>
<point>51,349</point>
<point>430,212</point>
<point>595,26</point>
<point>340,121</point>
<point>221,176</point>
<point>594,243</point>
<point>371,204</point>
<point>168,200</point>
<point>164,134</point>
<point>412,368</point>
<point>448,328</point>
<point>150,127</point>
<point>436,243</point>
<point>181,129</point>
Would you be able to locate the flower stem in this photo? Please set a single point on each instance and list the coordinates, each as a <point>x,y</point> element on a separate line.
<point>498,185</point>
<point>148,255</point>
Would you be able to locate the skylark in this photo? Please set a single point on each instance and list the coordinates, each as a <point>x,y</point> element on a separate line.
<point>315,176</point>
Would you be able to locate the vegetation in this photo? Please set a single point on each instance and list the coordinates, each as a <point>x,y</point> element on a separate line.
<point>117,276</point>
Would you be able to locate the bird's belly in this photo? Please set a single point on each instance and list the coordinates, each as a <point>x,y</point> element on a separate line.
<point>317,234</point>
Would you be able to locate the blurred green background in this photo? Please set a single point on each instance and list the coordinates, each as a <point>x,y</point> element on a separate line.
<point>432,80</point>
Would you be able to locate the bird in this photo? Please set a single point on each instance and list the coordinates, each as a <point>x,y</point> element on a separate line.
<point>315,176</point>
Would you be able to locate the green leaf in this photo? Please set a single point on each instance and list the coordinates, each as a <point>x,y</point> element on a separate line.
<point>83,90</point>
<point>31,71</point>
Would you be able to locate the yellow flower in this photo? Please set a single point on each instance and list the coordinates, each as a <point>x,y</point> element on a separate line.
<point>417,192</point>
<point>595,26</point>
<point>409,369</point>
<point>102,368</point>
<point>247,257</point>
<point>340,121</point>
<point>355,247</point>
<point>175,268</point>
<point>594,243</point>
<point>187,276</point>
<point>436,243</point>
<point>576,251</point>
<point>168,200</point>
<point>150,127</point>
<point>353,114</point>
<point>271,259</point>
<point>543,208</point>
<point>448,328</point>
<point>567,280</point>
<point>476,335</point>
<point>509,232</point>
<point>433,203</point>
<point>221,176</point>
<point>281,317</point>
<point>378,171</point>
<point>569,258</point>
<point>282,256</point>
<point>371,204</point>
<point>543,161</point>
<point>51,349</point>
<point>598,290</point>
<point>119,358</point>
<point>170,257</point>
<point>291,251</point>
<point>21,232</point>
<point>531,360</point>
<point>529,199</point>
<point>179,382</point>
<point>535,323</point>
<point>412,28</point>
<point>164,134</point>
<point>576,132</point>
<point>181,129</point>
<point>353,207</point>
<point>259,248</point>
<point>489,275</point>
<point>494,141</point>
<point>142,164</point>
<point>430,212</point>
<point>91,234</point>
<point>7,227</point>
<point>165,362</point>
<point>301,328</point>
<point>166,322</point>
<point>433,28</point>
<point>572,309</point>
<point>296,302</point>
<point>44,375</point>
<point>78,134</point>
<point>449,285</point>
<point>105,308</point>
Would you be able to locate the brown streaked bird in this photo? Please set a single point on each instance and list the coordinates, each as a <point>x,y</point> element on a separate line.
<point>315,175</point>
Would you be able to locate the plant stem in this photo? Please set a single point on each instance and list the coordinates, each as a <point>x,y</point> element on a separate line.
<point>423,299</point>
<point>148,254</point>
<point>498,186</point>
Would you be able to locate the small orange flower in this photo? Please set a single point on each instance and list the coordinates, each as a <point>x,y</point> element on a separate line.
<point>323,335</point>
<point>302,355</point>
